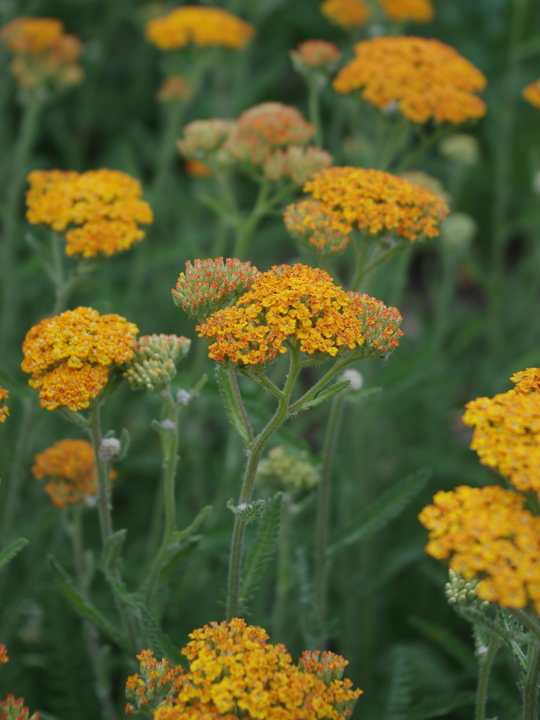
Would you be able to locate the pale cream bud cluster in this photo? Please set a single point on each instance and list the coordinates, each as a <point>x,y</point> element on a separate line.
<point>154,361</point>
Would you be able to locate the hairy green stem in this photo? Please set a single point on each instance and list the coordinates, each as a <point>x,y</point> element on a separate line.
<point>255,452</point>
<point>531,683</point>
<point>233,380</point>
<point>323,513</point>
<point>169,443</point>
<point>283,580</point>
<point>484,670</point>
<point>361,256</point>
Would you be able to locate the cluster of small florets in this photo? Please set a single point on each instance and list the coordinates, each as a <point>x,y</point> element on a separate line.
<point>235,672</point>
<point>419,11</point>
<point>154,361</point>
<point>531,93</point>
<point>325,665</point>
<point>70,468</point>
<point>43,53</point>
<point>297,163</point>
<point>425,78</point>
<point>209,285</point>
<point>202,26</point>
<point>265,128</point>
<point>314,58</point>
<point>461,148</point>
<point>102,208</point>
<point>293,471</point>
<point>4,410</point>
<point>463,592</point>
<point>374,201</point>
<point>12,708</point>
<point>69,356</point>
<point>506,432</point>
<point>488,535</point>
<point>175,87</point>
<point>153,685</point>
<point>380,324</point>
<point>345,13</point>
<point>204,139</point>
<point>317,227</point>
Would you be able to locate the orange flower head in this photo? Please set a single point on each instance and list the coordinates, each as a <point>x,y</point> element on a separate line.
<point>487,534</point>
<point>506,430</point>
<point>377,202</point>
<point>419,11</point>
<point>202,26</point>
<point>4,410</point>
<point>70,467</point>
<point>69,356</point>
<point>100,209</point>
<point>175,87</point>
<point>3,654</point>
<point>203,139</point>
<point>315,57</point>
<point>380,323</point>
<point>154,361</point>
<point>425,78</point>
<point>13,709</point>
<point>345,13</point>
<point>265,128</point>
<point>531,93</point>
<point>197,169</point>
<point>317,227</point>
<point>297,163</point>
<point>209,285</point>
<point>153,684</point>
<point>235,672</point>
<point>43,53</point>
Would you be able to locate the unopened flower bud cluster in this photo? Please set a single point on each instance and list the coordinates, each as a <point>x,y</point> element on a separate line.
<point>463,592</point>
<point>154,360</point>
<point>293,471</point>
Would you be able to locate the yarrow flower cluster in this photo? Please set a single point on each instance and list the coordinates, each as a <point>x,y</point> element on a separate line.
<point>100,209</point>
<point>531,93</point>
<point>202,26</point>
<point>487,534</point>
<point>154,361</point>
<point>70,468</point>
<point>175,87</point>
<point>314,58</point>
<point>209,285</point>
<point>12,708</point>
<point>287,304</point>
<point>235,672</point>
<point>4,410</point>
<point>419,11</point>
<point>197,169</point>
<point>346,13</point>
<point>69,356</point>
<point>299,164</point>
<point>373,201</point>
<point>507,430</point>
<point>426,78</point>
<point>153,684</point>
<point>3,654</point>
<point>380,324</point>
<point>292,470</point>
<point>43,52</point>
<point>203,139</point>
<point>265,128</point>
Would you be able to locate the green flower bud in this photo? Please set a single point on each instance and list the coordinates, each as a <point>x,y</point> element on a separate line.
<point>461,149</point>
<point>154,361</point>
<point>292,470</point>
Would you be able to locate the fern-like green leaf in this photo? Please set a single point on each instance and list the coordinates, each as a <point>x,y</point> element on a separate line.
<point>13,549</point>
<point>231,407</point>
<point>435,707</point>
<point>382,511</point>
<point>325,394</point>
<point>159,641</point>
<point>262,549</point>
<point>399,694</point>
<point>112,550</point>
<point>82,606</point>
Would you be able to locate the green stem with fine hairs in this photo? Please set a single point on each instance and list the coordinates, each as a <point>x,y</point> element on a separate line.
<point>531,683</point>
<point>484,670</point>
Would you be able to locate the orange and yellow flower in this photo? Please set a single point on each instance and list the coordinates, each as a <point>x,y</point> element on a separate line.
<point>425,78</point>
<point>4,410</point>
<point>3,654</point>
<point>202,26</point>
<point>13,709</point>
<point>235,672</point>
<point>316,55</point>
<point>70,468</point>
<point>487,534</point>
<point>531,93</point>
<point>43,53</point>
<point>346,13</point>
<point>100,209</point>
<point>419,11</point>
<point>317,227</point>
<point>375,202</point>
<point>69,356</point>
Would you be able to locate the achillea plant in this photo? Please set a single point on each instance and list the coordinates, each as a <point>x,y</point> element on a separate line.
<point>317,227</point>
<point>154,360</point>
<point>346,13</point>
<point>204,138</point>
<point>12,708</point>
<point>70,468</point>
<point>531,93</point>
<point>4,410</point>
<point>202,26</point>
<point>100,210</point>
<point>234,672</point>
<point>70,356</point>
<point>174,88</point>
<point>315,55</point>
<point>419,11</point>
<point>425,78</point>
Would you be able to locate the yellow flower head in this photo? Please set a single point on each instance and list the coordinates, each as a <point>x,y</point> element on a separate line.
<point>426,78</point>
<point>69,356</point>
<point>346,13</point>
<point>4,410</point>
<point>531,93</point>
<point>202,26</point>
<point>265,128</point>
<point>100,209</point>
<point>70,467</point>
<point>317,227</point>
<point>43,53</point>
<point>234,672</point>
<point>507,430</point>
<point>487,534</point>
<point>402,10</point>
<point>376,202</point>
<point>288,303</point>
